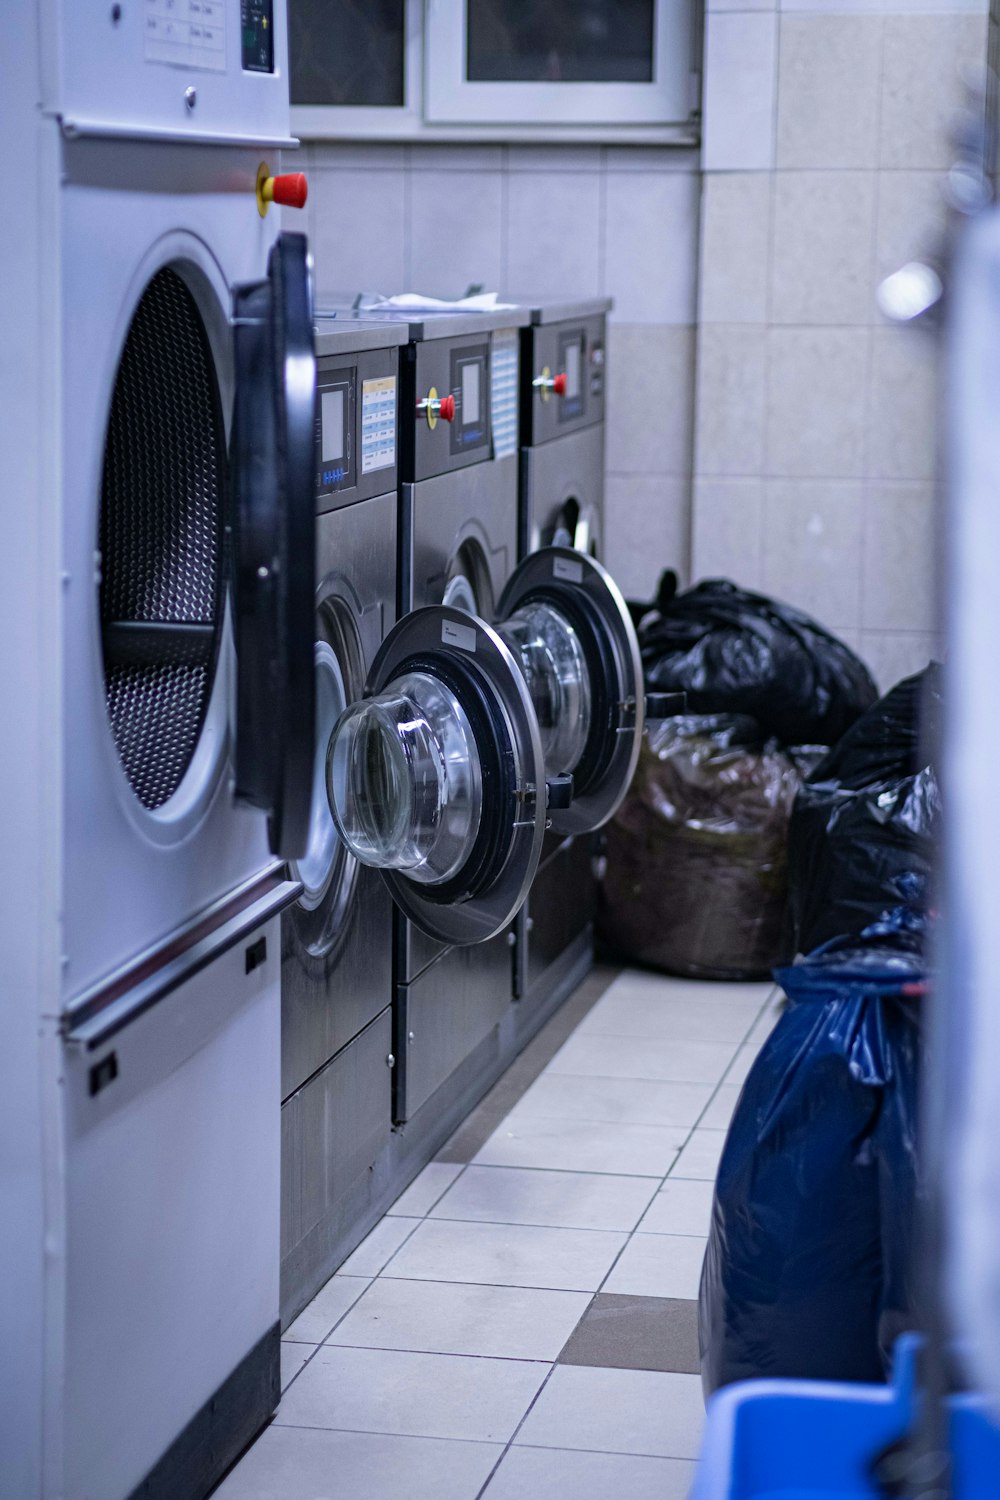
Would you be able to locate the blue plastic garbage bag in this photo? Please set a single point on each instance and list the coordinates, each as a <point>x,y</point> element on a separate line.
<point>809,1268</point>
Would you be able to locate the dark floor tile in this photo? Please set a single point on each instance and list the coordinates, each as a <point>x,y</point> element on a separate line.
<point>475,1131</point>
<point>636,1333</point>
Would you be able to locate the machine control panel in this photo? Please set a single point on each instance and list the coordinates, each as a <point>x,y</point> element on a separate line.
<point>356,414</point>
<point>566,388</point>
<point>470,389</point>
<point>257,35</point>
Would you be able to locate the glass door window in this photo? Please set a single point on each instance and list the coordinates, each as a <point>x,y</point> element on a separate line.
<point>348,54</point>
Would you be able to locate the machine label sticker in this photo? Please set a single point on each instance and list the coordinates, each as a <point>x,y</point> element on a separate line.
<point>503,391</point>
<point>566,568</point>
<point>187,33</point>
<point>378,423</point>
<point>462,636</point>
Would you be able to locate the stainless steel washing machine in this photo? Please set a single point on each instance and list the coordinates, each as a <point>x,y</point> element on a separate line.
<point>337,941</point>
<point>458,545</point>
<point>561,500</point>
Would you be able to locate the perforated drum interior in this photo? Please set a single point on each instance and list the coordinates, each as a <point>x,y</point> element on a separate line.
<point>161,539</point>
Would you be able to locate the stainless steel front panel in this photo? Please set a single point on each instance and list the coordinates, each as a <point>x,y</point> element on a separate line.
<point>327,998</point>
<point>549,348</point>
<point>469,514</point>
<point>445,1014</point>
<point>557,476</point>
<point>562,905</point>
<point>332,1132</point>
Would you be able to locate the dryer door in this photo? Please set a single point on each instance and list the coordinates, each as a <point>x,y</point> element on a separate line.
<point>436,777</point>
<point>564,618</point>
<point>274,543</point>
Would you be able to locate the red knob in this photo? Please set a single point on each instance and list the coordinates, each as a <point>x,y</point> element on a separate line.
<point>559,384</point>
<point>290,189</point>
<point>446,411</point>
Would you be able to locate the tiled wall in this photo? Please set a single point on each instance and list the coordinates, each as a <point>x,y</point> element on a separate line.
<point>826,132</point>
<point>561,220</point>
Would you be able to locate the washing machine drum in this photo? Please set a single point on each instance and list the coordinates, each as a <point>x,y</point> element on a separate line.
<point>564,618</point>
<point>192,536</point>
<point>437,776</point>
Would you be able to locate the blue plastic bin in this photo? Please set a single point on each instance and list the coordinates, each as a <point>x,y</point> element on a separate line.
<point>814,1440</point>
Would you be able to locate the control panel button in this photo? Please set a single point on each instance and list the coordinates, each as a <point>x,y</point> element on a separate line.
<point>289,189</point>
<point>433,407</point>
<point>548,384</point>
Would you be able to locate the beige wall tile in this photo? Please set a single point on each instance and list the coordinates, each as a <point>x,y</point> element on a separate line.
<point>815,402</point>
<point>893,655</point>
<point>739,84</point>
<point>901,554</point>
<point>553,232</point>
<point>828,86</point>
<point>368,156</point>
<point>435,156</point>
<point>727,530</point>
<point>812,535</point>
<point>910,219</point>
<point>650,399</point>
<point>647,529</point>
<point>902,404</point>
<point>822,269</point>
<point>651,245</point>
<point>729,437</point>
<point>370,254</point>
<point>922,87</point>
<point>455,232</point>
<point>736,211</point>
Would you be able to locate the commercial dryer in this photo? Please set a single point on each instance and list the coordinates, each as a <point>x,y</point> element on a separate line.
<point>336,964</point>
<point>561,500</point>
<point>158,369</point>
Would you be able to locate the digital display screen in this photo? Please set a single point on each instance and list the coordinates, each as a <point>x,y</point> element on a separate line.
<point>471,394</point>
<point>257,35</point>
<point>572,371</point>
<point>332,425</point>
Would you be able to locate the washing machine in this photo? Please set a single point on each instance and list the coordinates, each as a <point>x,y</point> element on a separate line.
<point>159,359</point>
<point>337,940</point>
<point>561,500</point>
<point>458,545</point>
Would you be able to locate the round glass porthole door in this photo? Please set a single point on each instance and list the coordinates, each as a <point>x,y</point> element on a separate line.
<point>567,623</point>
<point>436,777</point>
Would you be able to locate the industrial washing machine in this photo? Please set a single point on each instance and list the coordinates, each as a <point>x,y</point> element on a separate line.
<point>336,968</point>
<point>158,364</point>
<point>561,500</point>
<point>457,546</point>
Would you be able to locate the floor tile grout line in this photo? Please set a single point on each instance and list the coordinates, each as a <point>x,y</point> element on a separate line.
<point>516,1359</point>
<point>510,1441</point>
<point>533,1224</point>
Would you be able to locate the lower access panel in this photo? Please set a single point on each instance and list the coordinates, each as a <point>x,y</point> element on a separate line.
<point>333,1129</point>
<point>445,1014</point>
<point>561,906</point>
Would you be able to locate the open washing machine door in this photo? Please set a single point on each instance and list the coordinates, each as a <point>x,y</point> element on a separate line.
<point>566,622</point>
<point>272,464</point>
<point>437,776</point>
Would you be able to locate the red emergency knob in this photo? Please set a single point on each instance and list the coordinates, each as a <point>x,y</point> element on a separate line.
<point>289,189</point>
<point>547,384</point>
<point>447,409</point>
<point>437,408</point>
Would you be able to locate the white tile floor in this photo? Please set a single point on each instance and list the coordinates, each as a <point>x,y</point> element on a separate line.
<point>428,1367</point>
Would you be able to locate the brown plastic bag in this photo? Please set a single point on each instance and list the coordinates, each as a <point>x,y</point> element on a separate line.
<point>696,874</point>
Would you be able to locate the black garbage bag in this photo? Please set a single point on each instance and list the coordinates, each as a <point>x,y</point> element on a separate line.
<point>695,878</point>
<point>809,1270</point>
<point>868,815</point>
<point>736,652</point>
